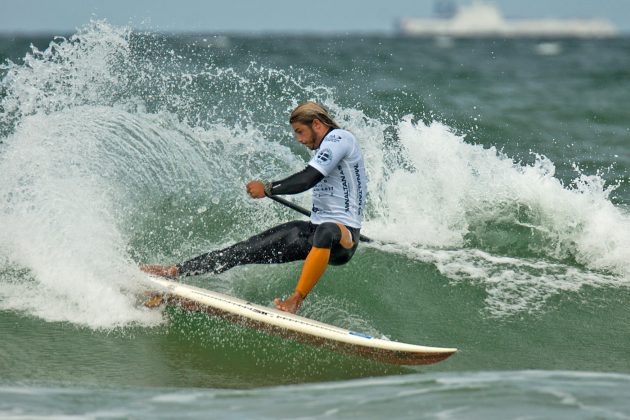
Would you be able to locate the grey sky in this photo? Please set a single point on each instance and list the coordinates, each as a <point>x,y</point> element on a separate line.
<point>271,15</point>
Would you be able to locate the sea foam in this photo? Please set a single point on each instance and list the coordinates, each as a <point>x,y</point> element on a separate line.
<point>514,228</point>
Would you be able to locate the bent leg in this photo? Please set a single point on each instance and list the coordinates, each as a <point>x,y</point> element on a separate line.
<point>327,236</point>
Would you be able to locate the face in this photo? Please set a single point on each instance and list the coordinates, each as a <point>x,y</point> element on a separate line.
<point>305,135</point>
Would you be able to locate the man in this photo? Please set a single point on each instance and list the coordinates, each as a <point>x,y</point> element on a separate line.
<point>336,174</point>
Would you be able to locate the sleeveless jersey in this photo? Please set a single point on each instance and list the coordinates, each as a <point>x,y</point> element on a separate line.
<point>340,196</point>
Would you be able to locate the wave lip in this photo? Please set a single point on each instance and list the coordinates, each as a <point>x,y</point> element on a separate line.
<point>59,223</point>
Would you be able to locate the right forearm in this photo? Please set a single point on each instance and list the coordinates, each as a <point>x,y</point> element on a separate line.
<point>297,183</point>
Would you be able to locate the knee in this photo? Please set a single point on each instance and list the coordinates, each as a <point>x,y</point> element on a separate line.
<point>340,259</point>
<point>326,234</point>
<point>341,255</point>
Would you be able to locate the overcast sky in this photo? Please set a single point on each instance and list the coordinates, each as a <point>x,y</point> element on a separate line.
<point>271,15</point>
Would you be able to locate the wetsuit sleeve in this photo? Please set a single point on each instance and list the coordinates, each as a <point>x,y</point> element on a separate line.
<point>297,183</point>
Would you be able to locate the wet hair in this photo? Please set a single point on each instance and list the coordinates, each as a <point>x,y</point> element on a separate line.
<point>307,112</point>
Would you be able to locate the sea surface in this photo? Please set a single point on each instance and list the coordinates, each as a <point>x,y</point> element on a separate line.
<point>499,201</point>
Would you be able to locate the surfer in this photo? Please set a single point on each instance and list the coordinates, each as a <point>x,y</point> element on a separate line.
<point>336,174</point>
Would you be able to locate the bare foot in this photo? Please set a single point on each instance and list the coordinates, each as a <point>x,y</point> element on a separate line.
<point>160,270</point>
<point>292,304</point>
<point>154,301</point>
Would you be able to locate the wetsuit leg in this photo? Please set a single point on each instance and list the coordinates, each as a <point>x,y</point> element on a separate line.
<point>330,235</point>
<point>284,243</point>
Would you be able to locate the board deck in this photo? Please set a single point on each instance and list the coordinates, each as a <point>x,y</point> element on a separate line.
<point>295,327</point>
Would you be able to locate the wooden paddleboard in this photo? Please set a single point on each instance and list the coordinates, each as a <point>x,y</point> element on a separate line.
<point>295,327</point>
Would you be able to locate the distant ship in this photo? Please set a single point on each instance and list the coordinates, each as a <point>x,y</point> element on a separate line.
<point>481,19</point>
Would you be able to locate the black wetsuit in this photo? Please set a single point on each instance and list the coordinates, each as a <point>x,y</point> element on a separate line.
<point>288,242</point>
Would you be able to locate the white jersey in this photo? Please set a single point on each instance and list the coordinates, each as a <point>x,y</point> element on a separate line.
<point>340,196</point>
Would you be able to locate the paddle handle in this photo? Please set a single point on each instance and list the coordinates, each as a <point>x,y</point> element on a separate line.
<point>305,212</point>
<point>290,205</point>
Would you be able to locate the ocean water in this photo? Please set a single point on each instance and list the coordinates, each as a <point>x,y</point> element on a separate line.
<point>499,201</point>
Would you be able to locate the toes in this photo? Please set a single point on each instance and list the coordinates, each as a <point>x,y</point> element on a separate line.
<point>279,304</point>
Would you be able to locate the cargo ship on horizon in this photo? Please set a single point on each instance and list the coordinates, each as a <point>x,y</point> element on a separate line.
<point>481,19</point>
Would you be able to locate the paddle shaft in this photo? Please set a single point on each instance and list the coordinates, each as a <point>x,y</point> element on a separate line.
<point>305,212</point>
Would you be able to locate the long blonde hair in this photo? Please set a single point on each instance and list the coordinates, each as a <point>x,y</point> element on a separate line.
<point>309,111</point>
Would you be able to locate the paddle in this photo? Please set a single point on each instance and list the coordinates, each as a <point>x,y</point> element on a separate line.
<point>305,212</point>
